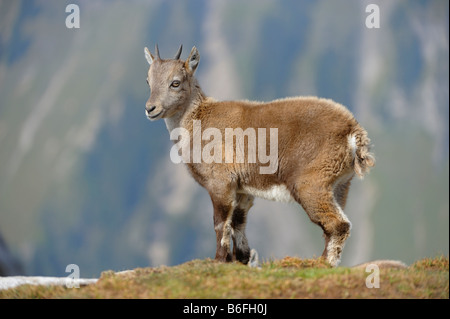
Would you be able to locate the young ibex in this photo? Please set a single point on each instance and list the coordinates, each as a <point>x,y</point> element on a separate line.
<point>318,143</point>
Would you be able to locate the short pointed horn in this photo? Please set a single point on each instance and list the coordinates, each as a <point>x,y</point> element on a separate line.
<point>157,52</point>
<point>177,56</point>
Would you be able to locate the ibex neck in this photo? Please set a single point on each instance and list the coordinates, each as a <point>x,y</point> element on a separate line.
<point>197,98</point>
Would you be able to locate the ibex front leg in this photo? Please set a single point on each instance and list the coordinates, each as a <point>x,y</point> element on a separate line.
<point>223,213</point>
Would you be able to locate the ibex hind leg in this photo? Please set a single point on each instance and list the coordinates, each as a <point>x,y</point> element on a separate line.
<point>341,193</point>
<point>336,231</point>
<point>335,241</point>
<point>241,249</point>
<point>323,209</point>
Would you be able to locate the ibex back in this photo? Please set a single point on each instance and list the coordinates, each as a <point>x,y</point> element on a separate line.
<point>319,148</point>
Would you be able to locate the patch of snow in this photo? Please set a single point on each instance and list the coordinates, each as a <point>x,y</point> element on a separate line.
<point>15,281</point>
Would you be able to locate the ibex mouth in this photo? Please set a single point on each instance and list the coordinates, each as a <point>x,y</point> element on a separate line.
<point>153,117</point>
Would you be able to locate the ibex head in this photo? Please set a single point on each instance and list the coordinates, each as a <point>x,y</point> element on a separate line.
<point>171,82</point>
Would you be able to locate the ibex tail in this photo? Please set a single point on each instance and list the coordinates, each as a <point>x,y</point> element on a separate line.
<point>364,159</point>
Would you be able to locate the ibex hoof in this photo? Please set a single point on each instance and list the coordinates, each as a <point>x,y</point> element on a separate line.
<point>254,260</point>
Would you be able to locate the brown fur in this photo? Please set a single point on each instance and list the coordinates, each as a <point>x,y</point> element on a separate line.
<point>316,160</point>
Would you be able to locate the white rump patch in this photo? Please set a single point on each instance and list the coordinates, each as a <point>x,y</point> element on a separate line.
<point>278,193</point>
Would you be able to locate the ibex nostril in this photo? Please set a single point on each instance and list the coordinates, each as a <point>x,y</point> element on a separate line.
<point>151,109</point>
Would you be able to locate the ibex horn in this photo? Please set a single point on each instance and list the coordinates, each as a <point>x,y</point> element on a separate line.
<point>177,56</point>
<point>157,52</point>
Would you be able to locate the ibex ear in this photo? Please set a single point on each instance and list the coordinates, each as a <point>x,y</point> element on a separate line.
<point>149,56</point>
<point>192,61</point>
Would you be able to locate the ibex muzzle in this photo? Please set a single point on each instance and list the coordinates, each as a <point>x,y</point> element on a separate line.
<point>320,147</point>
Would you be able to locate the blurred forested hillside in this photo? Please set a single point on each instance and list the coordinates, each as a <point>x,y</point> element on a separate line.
<point>86,179</point>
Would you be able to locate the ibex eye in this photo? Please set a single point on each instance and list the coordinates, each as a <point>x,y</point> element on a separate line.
<point>175,84</point>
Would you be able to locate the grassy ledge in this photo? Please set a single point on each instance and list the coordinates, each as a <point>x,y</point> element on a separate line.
<point>286,278</point>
